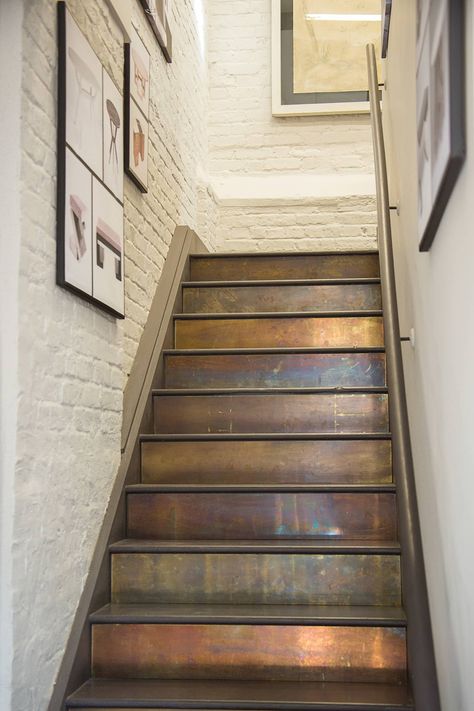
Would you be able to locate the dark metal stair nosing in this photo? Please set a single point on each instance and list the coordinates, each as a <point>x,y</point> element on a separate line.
<point>333,253</point>
<point>218,316</point>
<point>231,283</point>
<point>272,351</point>
<point>268,436</point>
<point>262,488</point>
<point>368,390</point>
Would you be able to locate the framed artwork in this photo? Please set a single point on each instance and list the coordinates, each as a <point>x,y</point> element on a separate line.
<point>318,55</point>
<point>90,169</point>
<point>137,110</point>
<point>386,17</point>
<point>441,142</point>
<point>158,13</point>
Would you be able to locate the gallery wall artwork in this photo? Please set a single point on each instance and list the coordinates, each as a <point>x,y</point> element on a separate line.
<point>90,173</point>
<point>318,55</point>
<point>440,109</point>
<point>158,13</point>
<point>386,17</point>
<point>137,110</point>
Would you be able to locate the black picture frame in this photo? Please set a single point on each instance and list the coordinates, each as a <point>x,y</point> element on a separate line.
<point>129,104</point>
<point>452,32</point>
<point>166,43</point>
<point>63,151</point>
<point>386,17</point>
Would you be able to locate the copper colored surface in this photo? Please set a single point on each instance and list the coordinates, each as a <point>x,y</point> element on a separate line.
<point>275,370</point>
<point>248,299</point>
<point>267,461</point>
<point>254,652</point>
<point>256,578</point>
<point>271,413</point>
<point>320,266</point>
<point>252,516</point>
<point>285,332</point>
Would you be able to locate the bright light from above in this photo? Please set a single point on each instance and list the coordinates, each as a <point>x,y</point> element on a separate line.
<point>340,17</point>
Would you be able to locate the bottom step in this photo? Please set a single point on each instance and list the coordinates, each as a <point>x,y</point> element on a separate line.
<point>288,696</point>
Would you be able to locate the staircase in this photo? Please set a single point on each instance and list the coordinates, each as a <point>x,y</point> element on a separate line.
<point>262,564</point>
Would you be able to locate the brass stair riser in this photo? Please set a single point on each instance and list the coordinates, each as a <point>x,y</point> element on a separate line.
<point>249,299</point>
<point>254,652</point>
<point>267,462</point>
<point>284,332</point>
<point>304,266</point>
<point>251,516</point>
<point>188,414</point>
<point>256,578</point>
<point>275,370</point>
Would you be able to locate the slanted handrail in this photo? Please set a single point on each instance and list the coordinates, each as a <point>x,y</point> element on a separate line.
<point>421,658</point>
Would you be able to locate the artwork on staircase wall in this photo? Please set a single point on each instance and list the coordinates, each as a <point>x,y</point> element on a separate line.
<point>137,111</point>
<point>440,109</point>
<point>90,173</point>
<point>158,13</point>
<point>319,61</point>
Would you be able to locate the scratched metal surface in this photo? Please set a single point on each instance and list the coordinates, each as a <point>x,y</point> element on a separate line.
<point>187,414</point>
<point>275,370</point>
<point>271,461</point>
<point>253,516</point>
<point>256,578</point>
<point>338,266</point>
<point>249,299</point>
<point>284,332</point>
<point>254,652</point>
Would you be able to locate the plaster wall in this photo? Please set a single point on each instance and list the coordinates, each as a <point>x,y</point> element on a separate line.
<point>435,293</point>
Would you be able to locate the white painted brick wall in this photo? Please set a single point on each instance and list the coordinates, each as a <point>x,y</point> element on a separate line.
<point>245,140</point>
<point>74,359</point>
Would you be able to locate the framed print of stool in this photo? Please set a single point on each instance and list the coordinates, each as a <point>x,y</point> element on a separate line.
<point>137,111</point>
<point>89,258</point>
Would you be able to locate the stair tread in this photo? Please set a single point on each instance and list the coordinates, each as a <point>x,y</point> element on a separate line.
<point>132,545</point>
<point>337,390</point>
<point>277,315</point>
<point>262,488</point>
<point>246,436</point>
<point>279,282</point>
<point>250,614</point>
<point>273,351</point>
<point>138,693</point>
<point>264,255</point>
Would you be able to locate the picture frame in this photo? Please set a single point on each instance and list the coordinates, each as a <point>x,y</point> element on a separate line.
<point>84,88</point>
<point>440,116</point>
<point>294,49</point>
<point>158,13</point>
<point>386,17</point>
<point>137,110</point>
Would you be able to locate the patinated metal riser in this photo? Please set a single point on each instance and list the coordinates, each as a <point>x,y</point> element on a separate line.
<point>287,412</point>
<point>338,266</point>
<point>256,578</point>
<point>254,652</point>
<point>290,370</point>
<point>267,462</point>
<point>284,332</point>
<point>250,299</point>
<point>251,516</point>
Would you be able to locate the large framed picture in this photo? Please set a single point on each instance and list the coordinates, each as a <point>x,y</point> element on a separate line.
<point>158,13</point>
<point>318,55</point>
<point>440,109</point>
<point>90,173</point>
<point>137,110</point>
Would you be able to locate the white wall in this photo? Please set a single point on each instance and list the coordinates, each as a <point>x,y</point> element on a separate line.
<point>297,162</point>
<point>435,292</point>
<point>11,16</point>
<point>73,359</point>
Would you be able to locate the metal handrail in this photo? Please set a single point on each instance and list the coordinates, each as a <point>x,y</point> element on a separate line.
<point>421,658</point>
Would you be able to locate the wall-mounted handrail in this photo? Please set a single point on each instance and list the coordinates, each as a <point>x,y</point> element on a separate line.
<point>421,658</point>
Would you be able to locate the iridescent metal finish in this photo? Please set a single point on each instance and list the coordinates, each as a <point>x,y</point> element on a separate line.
<point>254,652</point>
<point>253,516</point>
<point>249,299</point>
<point>284,332</point>
<point>303,266</point>
<point>275,370</point>
<point>267,461</point>
<point>256,578</point>
<point>247,413</point>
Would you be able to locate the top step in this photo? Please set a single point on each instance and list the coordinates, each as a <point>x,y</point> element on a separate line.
<point>304,265</point>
